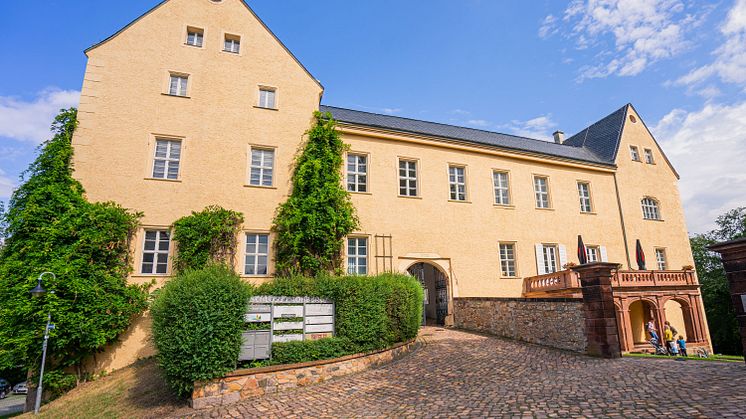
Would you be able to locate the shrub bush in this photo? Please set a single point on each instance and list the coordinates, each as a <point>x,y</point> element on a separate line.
<point>311,350</point>
<point>373,312</point>
<point>197,325</point>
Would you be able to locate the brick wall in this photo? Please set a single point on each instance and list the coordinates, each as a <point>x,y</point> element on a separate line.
<point>554,322</point>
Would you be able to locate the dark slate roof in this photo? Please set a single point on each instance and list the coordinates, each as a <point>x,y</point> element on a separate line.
<point>469,135</point>
<point>602,137</point>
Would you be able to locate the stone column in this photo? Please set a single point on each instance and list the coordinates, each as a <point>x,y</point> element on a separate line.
<point>733,255</point>
<point>601,328</point>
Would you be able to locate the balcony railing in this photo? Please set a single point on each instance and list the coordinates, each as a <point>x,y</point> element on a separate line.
<point>566,283</point>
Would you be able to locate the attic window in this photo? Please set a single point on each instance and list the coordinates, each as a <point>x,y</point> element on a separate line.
<point>632,119</point>
<point>195,37</point>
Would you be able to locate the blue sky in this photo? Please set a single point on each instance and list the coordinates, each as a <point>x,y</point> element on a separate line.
<point>527,68</point>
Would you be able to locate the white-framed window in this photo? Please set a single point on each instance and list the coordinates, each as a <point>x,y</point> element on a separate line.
<point>257,254</point>
<point>232,43</point>
<point>156,245</point>
<point>634,153</point>
<point>357,172</point>
<point>584,192</point>
<point>267,97</point>
<point>407,178</point>
<point>457,182</point>
<point>650,210</point>
<point>502,187</point>
<point>550,258</point>
<point>541,191</point>
<point>262,166</point>
<point>593,253</point>
<point>660,259</point>
<point>507,259</point>
<point>649,156</point>
<point>195,37</point>
<point>177,85</point>
<point>357,256</point>
<point>167,158</point>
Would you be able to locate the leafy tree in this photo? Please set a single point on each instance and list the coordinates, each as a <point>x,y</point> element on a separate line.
<point>721,316</point>
<point>313,222</point>
<point>49,226</point>
<point>206,236</point>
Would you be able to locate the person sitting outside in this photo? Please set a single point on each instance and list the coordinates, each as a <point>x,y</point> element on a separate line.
<point>682,346</point>
<point>651,330</point>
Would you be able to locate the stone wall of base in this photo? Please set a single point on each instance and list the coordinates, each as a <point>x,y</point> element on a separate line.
<point>555,322</point>
<point>243,384</point>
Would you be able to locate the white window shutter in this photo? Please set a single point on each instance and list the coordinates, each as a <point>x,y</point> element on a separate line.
<point>540,259</point>
<point>604,256</point>
<point>562,256</point>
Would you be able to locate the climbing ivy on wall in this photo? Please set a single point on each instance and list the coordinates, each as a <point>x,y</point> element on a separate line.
<point>311,225</point>
<point>49,225</point>
<point>206,237</point>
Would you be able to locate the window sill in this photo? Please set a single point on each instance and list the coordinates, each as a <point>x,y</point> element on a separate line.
<point>193,46</point>
<point>260,187</point>
<point>266,109</point>
<point>511,277</point>
<point>504,206</point>
<point>231,52</point>
<point>409,197</point>
<point>660,220</point>
<point>588,212</point>
<point>544,209</point>
<point>458,201</point>
<point>163,180</point>
<point>244,276</point>
<point>359,193</point>
<point>179,96</point>
<point>168,275</point>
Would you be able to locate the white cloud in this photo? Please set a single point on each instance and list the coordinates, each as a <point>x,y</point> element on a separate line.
<point>708,148</point>
<point>30,121</point>
<point>460,112</point>
<point>479,122</point>
<point>642,32</point>
<point>729,63</point>
<point>391,111</point>
<point>539,128</point>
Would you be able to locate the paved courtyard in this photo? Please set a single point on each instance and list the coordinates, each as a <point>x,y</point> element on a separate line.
<point>458,374</point>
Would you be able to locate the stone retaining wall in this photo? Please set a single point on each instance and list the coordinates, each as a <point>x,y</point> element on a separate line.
<point>555,322</point>
<point>243,384</point>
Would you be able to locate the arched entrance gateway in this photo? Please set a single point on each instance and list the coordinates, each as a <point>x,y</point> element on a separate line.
<point>435,283</point>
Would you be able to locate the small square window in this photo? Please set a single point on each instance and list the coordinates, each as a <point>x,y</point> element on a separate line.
<point>232,43</point>
<point>649,156</point>
<point>267,98</point>
<point>593,253</point>
<point>178,84</point>
<point>195,37</point>
<point>634,153</point>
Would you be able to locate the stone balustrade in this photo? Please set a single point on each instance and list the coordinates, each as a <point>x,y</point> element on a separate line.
<point>566,284</point>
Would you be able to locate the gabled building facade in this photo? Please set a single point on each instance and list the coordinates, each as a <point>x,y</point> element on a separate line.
<point>198,103</point>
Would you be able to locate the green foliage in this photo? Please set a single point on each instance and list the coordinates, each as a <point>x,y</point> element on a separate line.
<point>57,383</point>
<point>373,312</point>
<point>49,226</point>
<point>311,350</point>
<point>721,316</point>
<point>318,214</point>
<point>206,237</point>
<point>197,325</point>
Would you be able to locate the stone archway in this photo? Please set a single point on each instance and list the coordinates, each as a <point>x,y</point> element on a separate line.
<point>437,292</point>
<point>678,313</point>
<point>640,313</point>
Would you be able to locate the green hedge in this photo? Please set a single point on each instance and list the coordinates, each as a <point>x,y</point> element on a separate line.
<point>197,324</point>
<point>373,312</point>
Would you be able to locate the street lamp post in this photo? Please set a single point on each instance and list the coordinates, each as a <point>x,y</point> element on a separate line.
<point>38,291</point>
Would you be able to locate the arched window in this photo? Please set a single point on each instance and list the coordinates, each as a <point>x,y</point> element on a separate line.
<point>650,210</point>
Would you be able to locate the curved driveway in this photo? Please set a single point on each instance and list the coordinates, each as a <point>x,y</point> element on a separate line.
<point>458,374</point>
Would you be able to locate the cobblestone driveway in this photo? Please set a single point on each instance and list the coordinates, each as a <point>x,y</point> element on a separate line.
<point>460,374</point>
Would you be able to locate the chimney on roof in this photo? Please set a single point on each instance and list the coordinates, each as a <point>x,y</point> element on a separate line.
<point>559,137</point>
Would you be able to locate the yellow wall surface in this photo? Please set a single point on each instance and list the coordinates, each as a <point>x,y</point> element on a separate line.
<point>124,108</point>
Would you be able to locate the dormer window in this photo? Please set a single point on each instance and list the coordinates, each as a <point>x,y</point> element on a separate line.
<point>232,44</point>
<point>195,37</point>
<point>634,153</point>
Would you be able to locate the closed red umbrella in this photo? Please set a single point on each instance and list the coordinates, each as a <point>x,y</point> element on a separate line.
<point>582,254</point>
<point>640,256</point>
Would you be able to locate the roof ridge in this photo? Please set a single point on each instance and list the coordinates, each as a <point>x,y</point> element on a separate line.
<point>444,124</point>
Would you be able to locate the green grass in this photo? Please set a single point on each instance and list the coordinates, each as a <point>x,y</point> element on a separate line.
<point>715,358</point>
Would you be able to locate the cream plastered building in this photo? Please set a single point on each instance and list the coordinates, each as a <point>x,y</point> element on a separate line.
<point>198,103</point>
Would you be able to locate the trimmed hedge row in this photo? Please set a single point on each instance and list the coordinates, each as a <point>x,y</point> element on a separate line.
<point>373,312</point>
<point>197,325</point>
<point>198,320</point>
